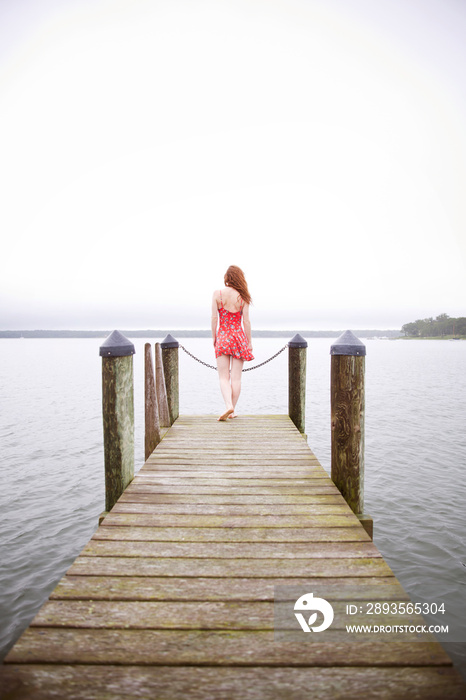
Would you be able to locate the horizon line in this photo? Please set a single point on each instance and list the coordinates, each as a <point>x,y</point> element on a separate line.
<point>50,332</point>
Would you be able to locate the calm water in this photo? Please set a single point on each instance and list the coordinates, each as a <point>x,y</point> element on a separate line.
<point>52,457</point>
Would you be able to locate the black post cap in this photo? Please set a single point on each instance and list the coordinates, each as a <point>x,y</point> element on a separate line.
<point>116,345</point>
<point>348,344</point>
<point>297,341</point>
<point>169,342</point>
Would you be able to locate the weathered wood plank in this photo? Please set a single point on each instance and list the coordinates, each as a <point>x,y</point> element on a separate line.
<point>274,470</point>
<point>259,568</point>
<point>175,441</point>
<point>202,588</point>
<point>236,458</point>
<point>214,615</point>
<point>149,505</point>
<point>256,426</point>
<point>299,469</point>
<point>210,472</point>
<point>206,445</point>
<point>277,440</point>
<point>264,489</point>
<point>261,447</point>
<point>277,443</point>
<point>232,550</point>
<point>141,491</point>
<point>228,534</point>
<point>243,420</point>
<point>197,436</point>
<point>203,683</point>
<point>221,648</point>
<point>120,516</point>
<point>194,481</point>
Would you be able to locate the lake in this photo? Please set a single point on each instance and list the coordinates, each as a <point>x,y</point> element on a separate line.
<point>52,471</point>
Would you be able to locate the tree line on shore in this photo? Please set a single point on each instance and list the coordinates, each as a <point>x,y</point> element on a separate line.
<point>439,327</point>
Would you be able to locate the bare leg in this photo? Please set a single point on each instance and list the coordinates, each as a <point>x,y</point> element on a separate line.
<point>236,369</point>
<point>223,366</point>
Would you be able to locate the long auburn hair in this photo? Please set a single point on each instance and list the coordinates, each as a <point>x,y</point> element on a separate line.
<point>234,278</point>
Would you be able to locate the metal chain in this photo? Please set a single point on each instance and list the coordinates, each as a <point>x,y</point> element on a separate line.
<point>197,359</point>
<point>248,369</point>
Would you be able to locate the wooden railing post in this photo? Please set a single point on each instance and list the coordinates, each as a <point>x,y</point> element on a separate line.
<point>297,349</point>
<point>347,421</point>
<point>118,415</point>
<point>164,413</point>
<point>152,434</point>
<point>171,372</point>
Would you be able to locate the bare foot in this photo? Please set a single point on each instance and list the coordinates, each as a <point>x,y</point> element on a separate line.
<point>233,415</point>
<point>225,415</point>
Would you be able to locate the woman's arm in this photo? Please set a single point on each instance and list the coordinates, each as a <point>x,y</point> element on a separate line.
<point>247,325</point>
<point>214,317</point>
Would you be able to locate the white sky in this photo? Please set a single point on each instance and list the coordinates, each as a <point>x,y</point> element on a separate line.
<point>146,145</point>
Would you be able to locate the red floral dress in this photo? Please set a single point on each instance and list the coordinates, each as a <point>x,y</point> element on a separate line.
<point>231,338</point>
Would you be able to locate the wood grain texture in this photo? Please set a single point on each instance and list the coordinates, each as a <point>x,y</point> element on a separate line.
<point>90,682</point>
<point>229,534</point>
<point>140,517</point>
<point>174,595</point>
<point>213,647</point>
<point>347,403</point>
<point>258,568</point>
<point>162,399</point>
<point>170,362</point>
<point>232,550</point>
<point>152,435</point>
<point>203,588</point>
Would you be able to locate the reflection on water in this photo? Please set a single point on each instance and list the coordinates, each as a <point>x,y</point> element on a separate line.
<point>52,455</point>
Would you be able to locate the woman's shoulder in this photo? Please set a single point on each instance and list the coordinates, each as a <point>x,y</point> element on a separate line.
<point>224,293</point>
<point>218,297</point>
<point>232,298</point>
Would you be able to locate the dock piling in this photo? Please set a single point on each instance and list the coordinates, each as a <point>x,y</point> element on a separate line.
<point>297,350</point>
<point>152,434</point>
<point>169,347</point>
<point>118,415</point>
<point>162,400</point>
<point>347,421</point>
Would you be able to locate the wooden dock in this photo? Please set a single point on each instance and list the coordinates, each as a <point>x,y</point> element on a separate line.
<point>173,597</point>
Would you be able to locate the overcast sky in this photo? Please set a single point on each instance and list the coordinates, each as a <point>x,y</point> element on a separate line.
<point>146,145</point>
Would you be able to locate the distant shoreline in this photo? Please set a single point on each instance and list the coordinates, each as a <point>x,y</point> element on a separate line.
<point>201,333</point>
<point>433,337</point>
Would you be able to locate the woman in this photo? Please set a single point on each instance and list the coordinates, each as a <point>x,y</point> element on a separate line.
<point>232,344</point>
